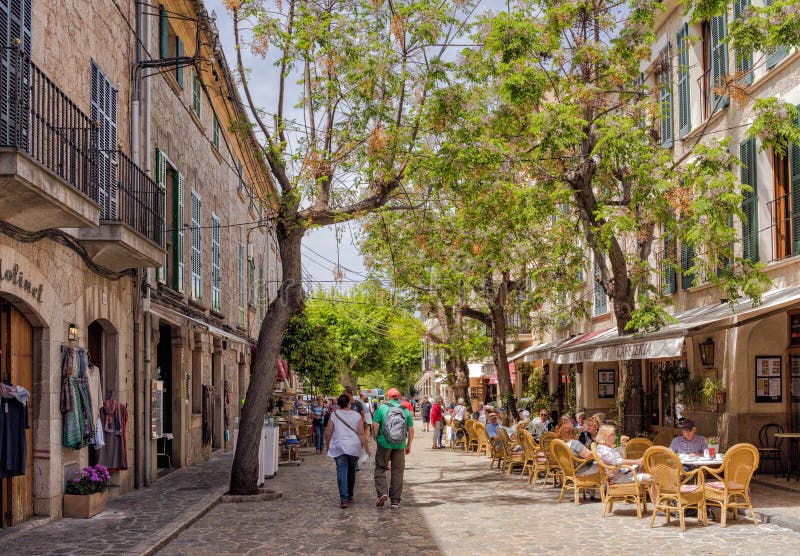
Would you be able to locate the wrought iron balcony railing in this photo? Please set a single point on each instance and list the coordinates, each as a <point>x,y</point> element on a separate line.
<point>37,118</point>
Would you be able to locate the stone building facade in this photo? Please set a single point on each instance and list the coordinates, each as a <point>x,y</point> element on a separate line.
<point>134,225</point>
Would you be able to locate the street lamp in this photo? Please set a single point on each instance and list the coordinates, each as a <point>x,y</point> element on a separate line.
<point>707,352</point>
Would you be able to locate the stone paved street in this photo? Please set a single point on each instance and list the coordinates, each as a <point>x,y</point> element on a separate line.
<point>133,523</point>
<point>453,504</point>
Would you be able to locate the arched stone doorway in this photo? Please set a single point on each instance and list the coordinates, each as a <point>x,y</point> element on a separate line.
<point>17,367</point>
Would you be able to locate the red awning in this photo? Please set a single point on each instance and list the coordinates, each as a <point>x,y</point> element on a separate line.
<point>580,338</point>
<point>283,369</point>
<point>512,370</point>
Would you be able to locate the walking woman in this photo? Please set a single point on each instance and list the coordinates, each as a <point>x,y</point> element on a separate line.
<point>345,437</point>
<point>437,420</point>
<point>319,416</point>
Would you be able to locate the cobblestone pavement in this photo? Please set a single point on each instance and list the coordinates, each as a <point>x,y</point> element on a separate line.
<point>452,504</point>
<point>133,523</point>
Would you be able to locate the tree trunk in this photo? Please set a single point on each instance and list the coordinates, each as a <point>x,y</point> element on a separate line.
<point>244,472</point>
<point>630,397</point>
<point>505,390</point>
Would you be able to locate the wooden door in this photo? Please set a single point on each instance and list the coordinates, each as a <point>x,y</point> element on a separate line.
<point>16,365</point>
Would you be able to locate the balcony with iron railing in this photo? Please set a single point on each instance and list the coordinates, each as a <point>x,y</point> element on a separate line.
<point>51,171</point>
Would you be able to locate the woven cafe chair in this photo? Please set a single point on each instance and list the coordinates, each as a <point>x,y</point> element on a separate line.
<point>552,468</point>
<point>571,467</point>
<point>484,444</point>
<point>531,452</point>
<point>628,492</point>
<point>728,486</point>
<point>461,438</point>
<point>523,424</point>
<point>636,447</point>
<point>675,490</point>
<point>497,452</point>
<point>512,458</point>
<point>769,447</point>
<point>664,438</point>
<point>472,436</point>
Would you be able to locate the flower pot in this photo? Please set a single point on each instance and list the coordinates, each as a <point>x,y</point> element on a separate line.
<point>84,505</point>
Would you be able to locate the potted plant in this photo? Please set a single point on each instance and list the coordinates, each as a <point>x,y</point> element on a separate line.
<point>713,392</point>
<point>86,494</point>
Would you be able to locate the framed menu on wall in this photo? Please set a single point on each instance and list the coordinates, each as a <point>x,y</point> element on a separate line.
<point>769,379</point>
<point>794,330</point>
<point>606,383</point>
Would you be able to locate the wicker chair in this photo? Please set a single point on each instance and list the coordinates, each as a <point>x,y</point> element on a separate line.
<point>570,469</point>
<point>664,438</point>
<point>730,487</point>
<point>484,444</point>
<point>673,488</point>
<point>461,437</point>
<point>629,492</point>
<point>472,442</point>
<point>553,469</point>
<point>511,458</point>
<point>636,447</point>
<point>531,452</point>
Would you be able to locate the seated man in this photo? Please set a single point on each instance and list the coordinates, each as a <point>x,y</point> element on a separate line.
<point>689,442</point>
<point>492,427</point>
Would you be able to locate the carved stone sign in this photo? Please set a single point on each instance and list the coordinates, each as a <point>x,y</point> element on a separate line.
<point>16,277</point>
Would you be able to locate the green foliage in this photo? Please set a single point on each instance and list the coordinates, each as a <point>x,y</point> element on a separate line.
<point>692,392</point>
<point>775,124</point>
<point>309,352</point>
<point>538,394</point>
<point>711,387</point>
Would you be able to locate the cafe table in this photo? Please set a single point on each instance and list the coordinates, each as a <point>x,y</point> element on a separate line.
<point>794,453</point>
<point>699,461</point>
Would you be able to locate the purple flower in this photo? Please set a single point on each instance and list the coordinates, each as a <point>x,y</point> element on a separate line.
<point>76,481</point>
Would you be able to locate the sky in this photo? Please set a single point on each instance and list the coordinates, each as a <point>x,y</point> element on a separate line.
<point>321,249</point>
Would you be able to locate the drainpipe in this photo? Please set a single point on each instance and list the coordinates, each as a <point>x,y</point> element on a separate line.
<point>147,165</point>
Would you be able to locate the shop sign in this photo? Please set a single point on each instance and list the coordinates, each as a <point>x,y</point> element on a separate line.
<point>17,278</point>
<point>649,349</point>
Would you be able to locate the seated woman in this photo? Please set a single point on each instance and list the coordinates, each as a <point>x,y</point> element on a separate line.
<point>612,456</point>
<point>566,432</point>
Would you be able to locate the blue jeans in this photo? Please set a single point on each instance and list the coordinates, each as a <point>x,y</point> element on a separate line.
<point>319,435</point>
<point>346,475</point>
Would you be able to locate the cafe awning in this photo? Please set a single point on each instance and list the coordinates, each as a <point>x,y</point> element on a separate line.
<point>668,342</point>
<point>540,351</point>
<point>512,369</point>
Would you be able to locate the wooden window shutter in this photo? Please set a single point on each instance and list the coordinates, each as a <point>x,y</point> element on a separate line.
<point>744,59</point>
<point>196,247</point>
<point>216,271</point>
<point>747,155</point>
<point>794,154</point>
<point>196,94</point>
<point>104,113</point>
<point>719,60</point>
<point>163,33</point>
<point>600,297</point>
<point>161,181</point>
<point>665,98</point>
<point>668,266</point>
<point>179,54</point>
<point>775,56</point>
<point>684,106</point>
<point>687,261</point>
<point>178,222</point>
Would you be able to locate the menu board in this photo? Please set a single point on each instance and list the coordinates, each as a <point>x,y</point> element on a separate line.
<point>606,383</point>
<point>794,330</point>
<point>769,379</point>
<point>795,367</point>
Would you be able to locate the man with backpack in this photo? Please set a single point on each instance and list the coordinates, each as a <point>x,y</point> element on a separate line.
<point>393,426</point>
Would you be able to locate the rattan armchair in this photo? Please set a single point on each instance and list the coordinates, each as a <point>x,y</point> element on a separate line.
<point>472,437</point>
<point>511,458</point>
<point>531,452</point>
<point>484,444</point>
<point>552,469</point>
<point>459,435</point>
<point>636,447</point>
<point>629,492</point>
<point>730,487</point>
<point>673,487</point>
<point>664,438</point>
<point>571,467</point>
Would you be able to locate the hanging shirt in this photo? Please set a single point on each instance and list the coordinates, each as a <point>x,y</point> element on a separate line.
<point>13,442</point>
<point>95,391</point>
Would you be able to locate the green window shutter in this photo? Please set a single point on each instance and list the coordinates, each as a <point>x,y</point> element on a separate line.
<point>744,59</point>
<point>684,106</point>
<point>687,261</point>
<point>600,297</point>
<point>240,272</point>
<point>215,132</point>
<point>794,154</point>
<point>216,270</point>
<point>163,33</point>
<point>747,155</point>
<point>668,267</point>
<point>179,54</point>
<point>161,179</point>
<point>251,281</point>
<point>778,54</point>
<point>240,175</point>
<point>196,94</point>
<point>261,300</point>
<point>178,233</point>
<point>664,80</point>
<point>719,59</point>
<point>196,247</point>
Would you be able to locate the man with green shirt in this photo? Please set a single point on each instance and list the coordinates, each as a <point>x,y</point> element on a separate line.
<point>393,427</point>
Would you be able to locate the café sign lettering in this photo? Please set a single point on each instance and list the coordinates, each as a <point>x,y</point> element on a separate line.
<point>644,349</point>
<point>16,277</point>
